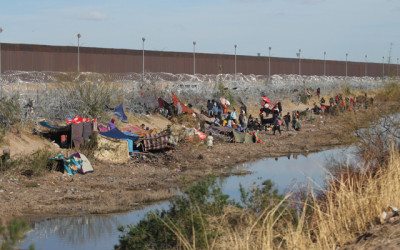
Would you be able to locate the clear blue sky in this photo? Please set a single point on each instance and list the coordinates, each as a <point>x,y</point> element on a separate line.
<point>356,27</point>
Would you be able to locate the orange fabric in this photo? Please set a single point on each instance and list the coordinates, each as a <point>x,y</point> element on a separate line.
<point>184,108</point>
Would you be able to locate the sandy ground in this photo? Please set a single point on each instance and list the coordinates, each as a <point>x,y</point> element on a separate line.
<point>112,188</point>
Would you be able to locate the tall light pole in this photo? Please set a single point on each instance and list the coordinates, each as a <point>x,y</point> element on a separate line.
<point>365,70</point>
<point>299,62</point>
<point>1,30</point>
<point>235,60</point>
<point>194,57</point>
<point>269,64</point>
<point>143,39</point>
<point>324,63</point>
<point>1,93</point>
<point>383,66</point>
<point>346,64</point>
<point>79,36</point>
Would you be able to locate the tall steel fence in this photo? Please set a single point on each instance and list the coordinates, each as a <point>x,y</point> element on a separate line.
<point>26,57</point>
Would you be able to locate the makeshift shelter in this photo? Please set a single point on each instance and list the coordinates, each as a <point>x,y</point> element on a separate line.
<point>242,137</point>
<point>72,164</point>
<point>155,141</point>
<point>86,165</point>
<point>179,105</point>
<point>119,113</point>
<point>76,132</point>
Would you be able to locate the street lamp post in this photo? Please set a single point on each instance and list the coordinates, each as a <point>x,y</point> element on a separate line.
<point>1,93</point>
<point>324,63</point>
<point>235,60</point>
<point>143,39</point>
<point>299,62</point>
<point>365,69</point>
<point>194,57</point>
<point>269,64</point>
<point>79,36</point>
<point>346,64</point>
<point>383,66</point>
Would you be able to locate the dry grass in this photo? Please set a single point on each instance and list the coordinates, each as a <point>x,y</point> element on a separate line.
<point>346,210</point>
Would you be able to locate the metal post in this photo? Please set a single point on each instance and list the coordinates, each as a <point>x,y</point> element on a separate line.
<point>194,57</point>
<point>269,64</point>
<point>365,70</point>
<point>299,62</point>
<point>346,64</point>
<point>383,66</point>
<point>324,63</point>
<point>1,77</point>
<point>235,61</point>
<point>143,39</point>
<point>397,67</point>
<point>79,36</point>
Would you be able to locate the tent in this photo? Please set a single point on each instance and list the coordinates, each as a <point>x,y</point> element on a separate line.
<point>72,164</point>
<point>242,137</point>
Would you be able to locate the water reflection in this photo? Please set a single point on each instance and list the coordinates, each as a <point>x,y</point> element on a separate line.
<point>83,232</point>
<point>100,231</point>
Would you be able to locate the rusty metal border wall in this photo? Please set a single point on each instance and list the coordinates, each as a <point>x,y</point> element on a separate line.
<point>28,57</point>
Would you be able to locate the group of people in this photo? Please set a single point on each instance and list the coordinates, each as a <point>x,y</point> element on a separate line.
<point>220,116</point>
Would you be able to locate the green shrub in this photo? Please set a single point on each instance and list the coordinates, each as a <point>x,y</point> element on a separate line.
<point>10,111</point>
<point>303,98</point>
<point>13,233</point>
<point>189,220</point>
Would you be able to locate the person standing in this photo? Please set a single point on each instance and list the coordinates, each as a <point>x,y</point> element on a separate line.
<point>210,140</point>
<point>286,118</point>
<point>277,125</point>
<point>234,115</point>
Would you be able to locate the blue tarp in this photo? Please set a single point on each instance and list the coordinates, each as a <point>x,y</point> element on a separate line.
<point>117,134</point>
<point>47,125</point>
<point>119,112</point>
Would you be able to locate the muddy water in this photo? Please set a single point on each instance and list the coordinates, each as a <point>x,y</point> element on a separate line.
<point>100,231</point>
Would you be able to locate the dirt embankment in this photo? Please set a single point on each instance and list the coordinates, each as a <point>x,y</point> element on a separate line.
<point>112,188</point>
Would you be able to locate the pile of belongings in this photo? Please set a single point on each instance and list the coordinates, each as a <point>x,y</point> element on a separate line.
<point>137,131</point>
<point>239,137</point>
<point>76,163</point>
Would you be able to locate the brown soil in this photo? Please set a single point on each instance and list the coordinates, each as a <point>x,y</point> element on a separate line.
<point>112,188</point>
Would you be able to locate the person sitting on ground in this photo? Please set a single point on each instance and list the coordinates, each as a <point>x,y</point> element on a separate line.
<point>210,140</point>
<point>111,124</point>
<point>322,100</point>
<point>286,118</point>
<point>256,125</point>
<point>297,126</point>
<point>277,125</point>
<point>5,158</point>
